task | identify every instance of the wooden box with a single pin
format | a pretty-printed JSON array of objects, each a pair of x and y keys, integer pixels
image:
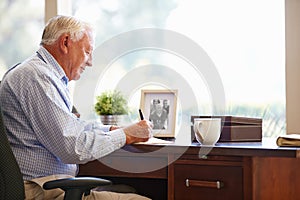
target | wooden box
[{"x": 236, "y": 129}]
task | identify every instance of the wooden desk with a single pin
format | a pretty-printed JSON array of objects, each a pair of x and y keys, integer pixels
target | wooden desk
[{"x": 258, "y": 170}]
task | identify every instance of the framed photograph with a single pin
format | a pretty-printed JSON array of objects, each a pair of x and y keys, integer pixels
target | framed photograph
[{"x": 159, "y": 107}]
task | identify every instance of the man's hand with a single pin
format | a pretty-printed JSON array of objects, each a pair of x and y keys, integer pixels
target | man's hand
[
  {"x": 113, "y": 128},
  {"x": 139, "y": 132}
]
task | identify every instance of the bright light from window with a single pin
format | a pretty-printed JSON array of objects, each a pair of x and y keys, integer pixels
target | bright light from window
[{"x": 244, "y": 38}]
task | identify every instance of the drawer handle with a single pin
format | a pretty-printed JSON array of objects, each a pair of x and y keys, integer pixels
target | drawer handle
[{"x": 209, "y": 184}]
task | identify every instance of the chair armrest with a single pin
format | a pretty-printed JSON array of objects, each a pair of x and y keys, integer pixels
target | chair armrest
[{"x": 77, "y": 186}]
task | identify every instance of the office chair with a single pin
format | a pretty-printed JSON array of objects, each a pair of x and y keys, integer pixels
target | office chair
[{"x": 11, "y": 180}]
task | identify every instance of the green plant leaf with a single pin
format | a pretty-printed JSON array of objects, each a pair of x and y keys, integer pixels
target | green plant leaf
[{"x": 111, "y": 103}]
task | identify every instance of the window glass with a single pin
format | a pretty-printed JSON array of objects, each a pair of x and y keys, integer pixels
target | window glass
[
  {"x": 20, "y": 32},
  {"x": 243, "y": 39}
]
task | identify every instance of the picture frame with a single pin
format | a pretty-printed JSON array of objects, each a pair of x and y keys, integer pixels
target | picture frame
[{"x": 160, "y": 107}]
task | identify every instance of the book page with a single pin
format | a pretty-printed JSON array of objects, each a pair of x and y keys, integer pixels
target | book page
[
  {"x": 154, "y": 140},
  {"x": 288, "y": 140}
]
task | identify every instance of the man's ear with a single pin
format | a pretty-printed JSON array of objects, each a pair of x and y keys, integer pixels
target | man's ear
[{"x": 64, "y": 43}]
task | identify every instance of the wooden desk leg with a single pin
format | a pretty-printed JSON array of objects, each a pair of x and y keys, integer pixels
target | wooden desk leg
[
  {"x": 171, "y": 179},
  {"x": 247, "y": 177}
]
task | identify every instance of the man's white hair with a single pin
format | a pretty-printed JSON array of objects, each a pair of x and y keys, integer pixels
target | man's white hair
[{"x": 59, "y": 25}]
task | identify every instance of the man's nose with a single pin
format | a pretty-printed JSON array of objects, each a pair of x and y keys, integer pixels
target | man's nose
[{"x": 89, "y": 62}]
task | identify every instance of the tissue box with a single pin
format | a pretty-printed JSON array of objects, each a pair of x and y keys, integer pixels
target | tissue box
[{"x": 236, "y": 129}]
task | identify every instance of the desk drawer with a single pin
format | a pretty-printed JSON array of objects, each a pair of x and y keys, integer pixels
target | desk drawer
[{"x": 200, "y": 181}]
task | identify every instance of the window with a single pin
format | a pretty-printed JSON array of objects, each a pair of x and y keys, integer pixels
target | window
[
  {"x": 245, "y": 40},
  {"x": 21, "y": 30}
]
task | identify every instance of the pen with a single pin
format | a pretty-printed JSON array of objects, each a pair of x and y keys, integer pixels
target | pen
[{"x": 141, "y": 114}]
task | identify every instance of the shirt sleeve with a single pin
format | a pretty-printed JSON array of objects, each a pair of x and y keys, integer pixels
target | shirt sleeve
[
  {"x": 63, "y": 134},
  {"x": 105, "y": 128}
]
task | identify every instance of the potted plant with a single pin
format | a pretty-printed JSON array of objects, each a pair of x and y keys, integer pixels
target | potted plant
[{"x": 110, "y": 105}]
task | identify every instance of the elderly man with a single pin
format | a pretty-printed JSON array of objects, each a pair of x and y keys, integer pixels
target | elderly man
[{"x": 48, "y": 140}]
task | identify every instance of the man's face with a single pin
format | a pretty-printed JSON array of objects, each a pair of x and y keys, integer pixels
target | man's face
[
  {"x": 80, "y": 56},
  {"x": 159, "y": 108},
  {"x": 155, "y": 102},
  {"x": 165, "y": 103}
]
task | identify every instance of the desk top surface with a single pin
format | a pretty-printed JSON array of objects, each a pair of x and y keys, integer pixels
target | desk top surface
[{"x": 267, "y": 147}]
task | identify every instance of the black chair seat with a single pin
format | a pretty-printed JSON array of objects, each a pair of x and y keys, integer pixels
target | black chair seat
[{"x": 75, "y": 187}]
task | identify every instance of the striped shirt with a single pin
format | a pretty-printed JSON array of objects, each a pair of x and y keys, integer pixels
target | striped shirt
[{"x": 45, "y": 136}]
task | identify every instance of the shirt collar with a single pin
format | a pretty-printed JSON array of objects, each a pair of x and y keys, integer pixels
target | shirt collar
[{"x": 44, "y": 55}]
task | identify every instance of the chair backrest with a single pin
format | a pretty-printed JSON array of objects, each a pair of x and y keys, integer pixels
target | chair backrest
[{"x": 11, "y": 180}]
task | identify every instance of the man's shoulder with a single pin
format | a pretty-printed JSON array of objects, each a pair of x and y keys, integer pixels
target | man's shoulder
[{"x": 28, "y": 70}]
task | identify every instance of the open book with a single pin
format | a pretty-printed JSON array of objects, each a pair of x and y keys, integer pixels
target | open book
[{"x": 288, "y": 140}]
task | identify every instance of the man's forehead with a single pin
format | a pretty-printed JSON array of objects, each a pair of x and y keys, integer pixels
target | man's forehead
[{"x": 90, "y": 40}]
